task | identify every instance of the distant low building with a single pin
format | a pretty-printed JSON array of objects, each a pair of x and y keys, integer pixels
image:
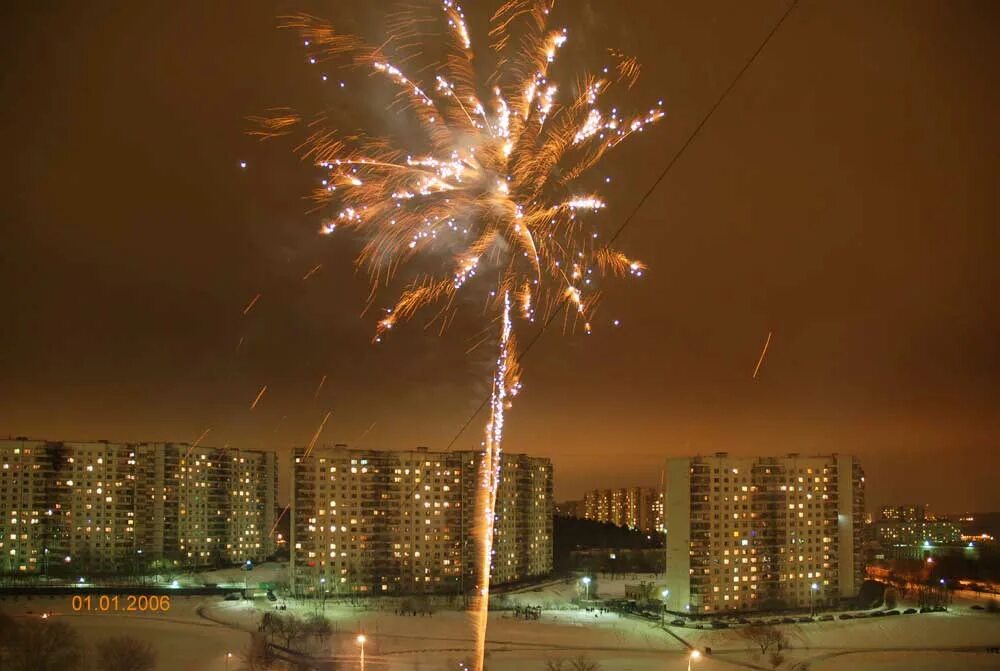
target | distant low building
[
  {"x": 639, "y": 508},
  {"x": 571, "y": 509},
  {"x": 912, "y": 512},
  {"x": 908, "y": 532}
]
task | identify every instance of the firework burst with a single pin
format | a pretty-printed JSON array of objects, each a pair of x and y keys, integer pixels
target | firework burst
[{"x": 493, "y": 188}]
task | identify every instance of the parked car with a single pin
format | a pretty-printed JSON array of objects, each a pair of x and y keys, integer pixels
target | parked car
[
  {"x": 909, "y": 611},
  {"x": 774, "y": 621},
  {"x": 976, "y": 606},
  {"x": 892, "y": 612},
  {"x": 271, "y": 596},
  {"x": 940, "y": 609},
  {"x": 805, "y": 619},
  {"x": 926, "y": 609},
  {"x": 878, "y": 613},
  {"x": 719, "y": 624},
  {"x": 846, "y": 616},
  {"x": 743, "y": 620},
  {"x": 677, "y": 623},
  {"x": 232, "y": 596},
  {"x": 826, "y": 618},
  {"x": 788, "y": 620}
]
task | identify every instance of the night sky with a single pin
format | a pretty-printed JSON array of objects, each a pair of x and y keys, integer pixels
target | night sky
[{"x": 845, "y": 196}]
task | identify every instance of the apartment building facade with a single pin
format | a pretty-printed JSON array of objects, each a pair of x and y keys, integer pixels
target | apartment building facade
[
  {"x": 750, "y": 533},
  {"x": 639, "y": 508},
  {"x": 109, "y": 507},
  {"x": 379, "y": 522}
]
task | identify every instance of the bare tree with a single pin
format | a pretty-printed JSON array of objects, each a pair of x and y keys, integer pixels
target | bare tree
[
  {"x": 125, "y": 653},
  {"x": 41, "y": 645},
  {"x": 258, "y": 656},
  {"x": 318, "y": 627},
  {"x": 764, "y": 637},
  {"x": 581, "y": 663}
]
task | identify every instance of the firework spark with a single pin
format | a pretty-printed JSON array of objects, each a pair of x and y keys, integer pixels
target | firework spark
[
  {"x": 252, "y": 303},
  {"x": 319, "y": 387},
  {"x": 498, "y": 185},
  {"x": 312, "y": 443},
  {"x": 313, "y": 271},
  {"x": 260, "y": 394},
  {"x": 763, "y": 352}
]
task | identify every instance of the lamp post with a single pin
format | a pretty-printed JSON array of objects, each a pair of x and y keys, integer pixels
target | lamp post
[
  {"x": 586, "y": 585},
  {"x": 361, "y": 641},
  {"x": 229, "y": 656},
  {"x": 322, "y": 587},
  {"x": 693, "y": 657},
  {"x": 663, "y": 606},
  {"x": 812, "y": 595}
]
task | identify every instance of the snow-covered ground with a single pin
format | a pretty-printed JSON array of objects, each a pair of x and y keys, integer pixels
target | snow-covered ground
[
  {"x": 271, "y": 572},
  {"x": 197, "y": 632}
]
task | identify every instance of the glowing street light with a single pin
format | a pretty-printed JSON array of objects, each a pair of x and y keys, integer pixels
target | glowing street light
[
  {"x": 586, "y": 583},
  {"x": 693, "y": 657},
  {"x": 812, "y": 594},
  {"x": 361, "y": 641},
  {"x": 229, "y": 656}
]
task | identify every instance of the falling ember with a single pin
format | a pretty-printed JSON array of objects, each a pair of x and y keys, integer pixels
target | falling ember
[
  {"x": 278, "y": 520},
  {"x": 250, "y": 305},
  {"x": 259, "y": 395},
  {"x": 196, "y": 443},
  {"x": 366, "y": 432},
  {"x": 312, "y": 443},
  {"x": 313, "y": 270},
  {"x": 320, "y": 387},
  {"x": 500, "y": 190},
  {"x": 762, "y": 353},
  {"x": 240, "y": 343}
]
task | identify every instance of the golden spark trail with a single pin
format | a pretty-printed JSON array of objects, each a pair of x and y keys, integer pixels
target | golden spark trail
[
  {"x": 250, "y": 305},
  {"x": 312, "y": 443},
  {"x": 259, "y": 394},
  {"x": 762, "y": 353},
  {"x": 489, "y": 477},
  {"x": 320, "y": 387},
  {"x": 312, "y": 272},
  {"x": 195, "y": 444},
  {"x": 366, "y": 432},
  {"x": 278, "y": 521}
]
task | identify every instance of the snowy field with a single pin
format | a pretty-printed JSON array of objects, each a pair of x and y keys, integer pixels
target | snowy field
[{"x": 197, "y": 633}]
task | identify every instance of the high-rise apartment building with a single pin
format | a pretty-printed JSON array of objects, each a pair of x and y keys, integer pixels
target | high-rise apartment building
[
  {"x": 380, "y": 522},
  {"x": 639, "y": 508},
  {"x": 113, "y": 507},
  {"x": 763, "y": 532}
]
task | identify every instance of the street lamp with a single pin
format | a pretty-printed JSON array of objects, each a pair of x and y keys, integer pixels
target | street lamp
[
  {"x": 361, "y": 641},
  {"x": 229, "y": 656},
  {"x": 663, "y": 606},
  {"x": 693, "y": 657},
  {"x": 586, "y": 584},
  {"x": 322, "y": 586},
  {"x": 812, "y": 594}
]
